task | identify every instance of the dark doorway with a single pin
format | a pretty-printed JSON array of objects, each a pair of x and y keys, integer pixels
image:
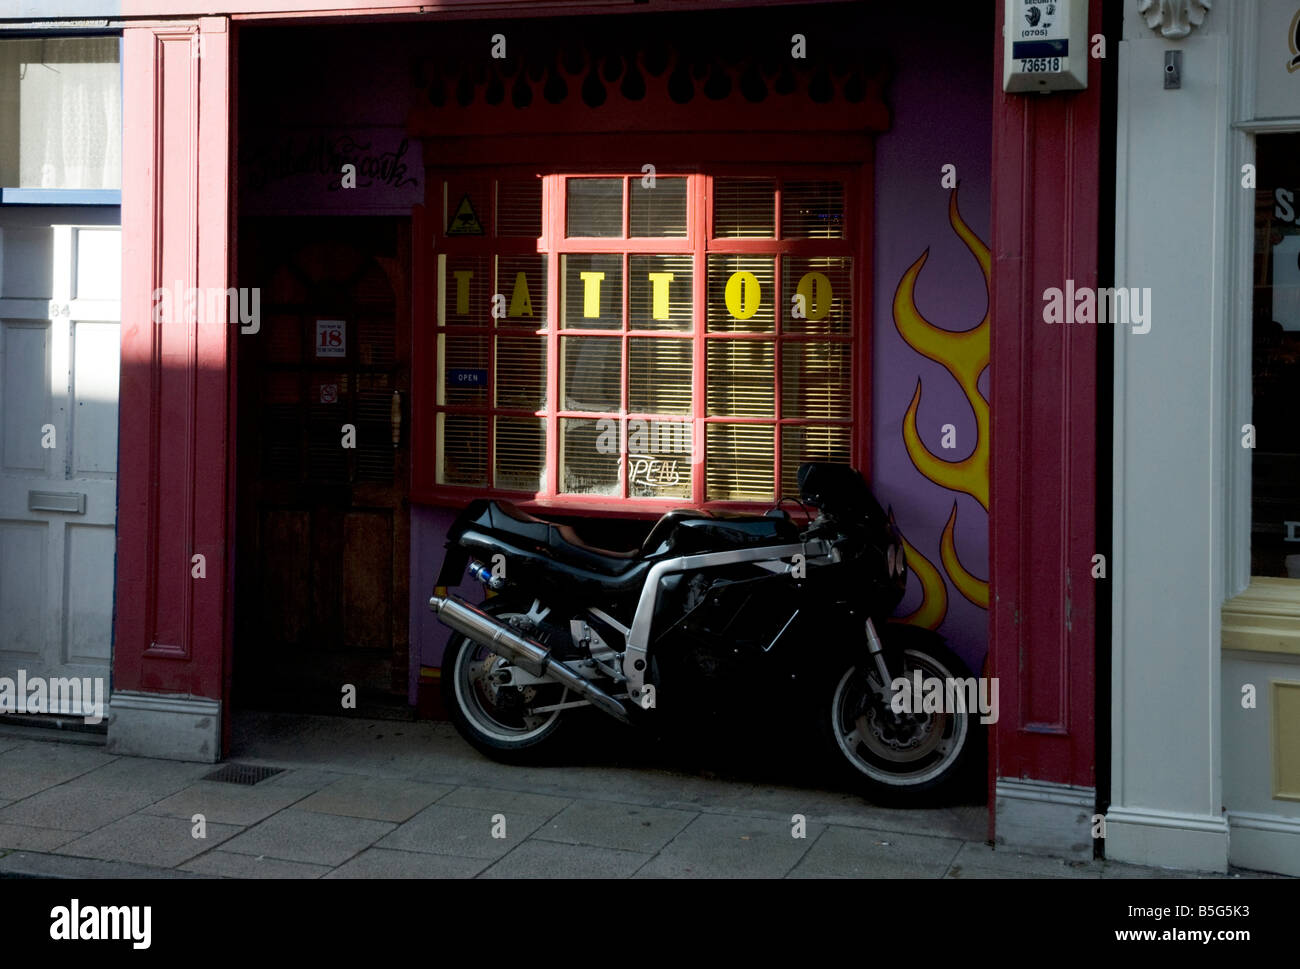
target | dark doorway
[{"x": 323, "y": 527}]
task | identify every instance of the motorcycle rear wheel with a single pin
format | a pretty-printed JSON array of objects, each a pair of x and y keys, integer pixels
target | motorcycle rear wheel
[{"x": 497, "y": 720}]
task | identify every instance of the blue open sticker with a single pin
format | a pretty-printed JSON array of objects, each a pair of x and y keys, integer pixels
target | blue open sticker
[{"x": 466, "y": 378}]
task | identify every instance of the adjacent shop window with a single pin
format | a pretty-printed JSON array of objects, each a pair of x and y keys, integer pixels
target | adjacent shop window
[
  {"x": 601, "y": 338},
  {"x": 61, "y": 113},
  {"x": 1275, "y": 460}
]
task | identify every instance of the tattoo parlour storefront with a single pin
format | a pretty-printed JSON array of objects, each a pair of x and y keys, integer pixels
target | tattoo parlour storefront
[{"x": 602, "y": 261}]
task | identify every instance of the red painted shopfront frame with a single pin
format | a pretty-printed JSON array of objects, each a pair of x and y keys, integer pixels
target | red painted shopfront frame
[
  {"x": 850, "y": 160},
  {"x": 1047, "y": 221}
]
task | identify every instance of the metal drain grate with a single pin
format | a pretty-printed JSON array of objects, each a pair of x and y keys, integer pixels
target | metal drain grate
[{"x": 242, "y": 774}]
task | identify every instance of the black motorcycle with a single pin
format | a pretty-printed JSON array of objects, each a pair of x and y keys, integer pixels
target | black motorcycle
[{"x": 713, "y": 612}]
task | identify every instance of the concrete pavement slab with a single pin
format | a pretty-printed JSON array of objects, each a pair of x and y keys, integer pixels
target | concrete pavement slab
[
  {"x": 157, "y": 777},
  {"x": 863, "y": 853},
  {"x": 222, "y": 803},
  {"x": 27, "y": 838},
  {"x": 74, "y": 806},
  {"x": 378, "y": 798},
  {"x": 440, "y": 829},
  {"x": 148, "y": 839},
  {"x": 305, "y": 779},
  {"x": 610, "y": 824},
  {"x": 596, "y": 815},
  {"x": 318, "y": 839},
  {"x": 387, "y": 863},
  {"x": 227, "y": 864},
  {"x": 497, "y": 800},
  {"x": 833, "y": 807},
  {"x": 723, "y": 846},
  {"x": 977, "y": 860},
  {"x": 549, "y": 859},
  {"x": 348, "y": 745},
  {"x": 1115, "y": 869},
  {"x": 31, "y": 864},
  {"x": 33, "y": 767}
]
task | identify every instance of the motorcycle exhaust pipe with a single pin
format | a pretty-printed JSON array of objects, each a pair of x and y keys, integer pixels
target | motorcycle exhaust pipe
[{"x": 528, "y": 655}]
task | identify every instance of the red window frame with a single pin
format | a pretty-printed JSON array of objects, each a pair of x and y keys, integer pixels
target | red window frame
[{"x": 700, "y": 243}]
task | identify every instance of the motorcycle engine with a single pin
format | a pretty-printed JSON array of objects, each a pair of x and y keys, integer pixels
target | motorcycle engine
[{"x": 697, "y": 590}]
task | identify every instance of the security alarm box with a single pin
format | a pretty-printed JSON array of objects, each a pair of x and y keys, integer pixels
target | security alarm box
[{"x": 1045, "y": 45}]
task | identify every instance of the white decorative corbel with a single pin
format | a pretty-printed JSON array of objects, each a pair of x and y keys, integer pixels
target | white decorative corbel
[{"x": 1174, "y": 18}]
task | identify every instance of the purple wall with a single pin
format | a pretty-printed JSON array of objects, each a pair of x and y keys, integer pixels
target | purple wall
[{"x": 940, "y": 118}]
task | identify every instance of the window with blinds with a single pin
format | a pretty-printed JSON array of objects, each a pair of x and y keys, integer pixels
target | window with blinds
[{"x": 686, "y": 338}]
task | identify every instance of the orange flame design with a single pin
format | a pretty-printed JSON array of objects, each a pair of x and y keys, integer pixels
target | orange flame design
[
  {"x": 965, "y": 355},
  {"x": 934, "y": 594}
]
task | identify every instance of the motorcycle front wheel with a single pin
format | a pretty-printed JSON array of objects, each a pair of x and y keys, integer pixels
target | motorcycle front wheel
[
  {"x": 512, "y": 724},
  {"x": 918, "y": 755}
]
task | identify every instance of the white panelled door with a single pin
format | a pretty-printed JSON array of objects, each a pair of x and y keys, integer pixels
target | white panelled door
[{"x": 60, "y": 290}]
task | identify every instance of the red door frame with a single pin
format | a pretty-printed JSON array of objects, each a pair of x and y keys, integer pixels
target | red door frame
[
  {"x": 174, "y": 497},
  {"x": 1043, "y": 474}
]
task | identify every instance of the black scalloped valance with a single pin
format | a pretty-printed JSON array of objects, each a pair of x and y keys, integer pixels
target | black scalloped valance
[{"x": 716, "y": 70}]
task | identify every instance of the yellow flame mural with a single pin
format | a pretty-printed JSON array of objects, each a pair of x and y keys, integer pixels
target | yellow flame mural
[{"x": 965, "y": 355}]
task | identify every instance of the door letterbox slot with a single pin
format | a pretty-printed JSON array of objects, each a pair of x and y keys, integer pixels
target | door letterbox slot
[{"x": 67, "y": 501}]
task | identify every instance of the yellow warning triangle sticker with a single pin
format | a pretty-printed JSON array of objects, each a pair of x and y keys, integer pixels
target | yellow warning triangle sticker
[{"x": 465, "y": 222}]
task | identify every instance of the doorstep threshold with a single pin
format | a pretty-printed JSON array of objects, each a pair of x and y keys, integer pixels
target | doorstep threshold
[{"x": 56, "y": 727}]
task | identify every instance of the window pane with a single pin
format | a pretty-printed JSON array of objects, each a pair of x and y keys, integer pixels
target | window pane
[
  {"x": 744, "y": 207},
  {"x": 463, "y": 283},
  {"x": 61, "y": 113},
  {"x": 519, "y": 207},
  {"x": 742, "y": 378},
  {"x": 591, "y": 292},
  {"x": 1275, "y": 460},
  {"x": 662, "y": 294},
  {"x": 595, "y": 207},
  {"x": 659, "y": 376},
  {"x": 464, "y": 376},
  {"x": 742, "y": 294},
  {"x": 660, "y": 211},
  {"x": 467, "y": 203},
  {"x": 739, "y": 461},
  {"x": 462, "y": 449},
  {"x": 522, "y": 281},
  {"x": 826, "y": 285},
  {"x": 815, "y": 380},
  {"x": 521, "y": 364},
  {"x": 589, "y": 456},
  {"x": 520, "y": 455},
  {"x": 659, "y": 459},
  {"x": 812, "y": 210},
  {"x": 811, "y": 443},
  {"x": 591, "y": 373}
]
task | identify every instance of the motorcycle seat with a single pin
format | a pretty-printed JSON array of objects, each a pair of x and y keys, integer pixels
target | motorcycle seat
[
  {"x": 663, "y": 528},
  {"x": 562, "y": 540}
]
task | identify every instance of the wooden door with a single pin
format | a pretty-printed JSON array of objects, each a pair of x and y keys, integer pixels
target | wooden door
[
  {"x": 324, "y": 416},
  {"x": 60, "y": 287}
]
